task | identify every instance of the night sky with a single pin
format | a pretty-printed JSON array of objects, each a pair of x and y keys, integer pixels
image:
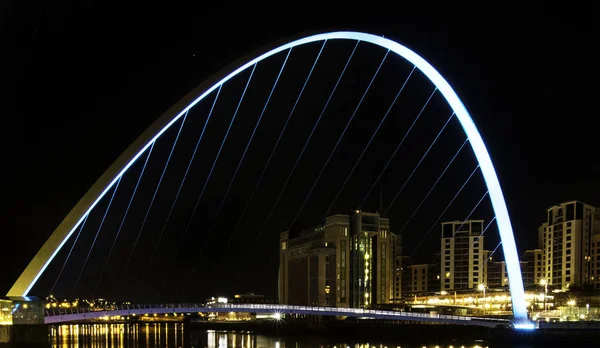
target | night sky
[{"x": 81, "y": 83}]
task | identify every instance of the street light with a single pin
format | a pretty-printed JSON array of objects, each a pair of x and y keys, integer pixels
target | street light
[
  {"x": 481, "y": 287},
  {"x": 544, "y": 283}
]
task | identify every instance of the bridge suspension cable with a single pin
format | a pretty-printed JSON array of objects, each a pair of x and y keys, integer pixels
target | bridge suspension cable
[
  {"x": 287, "y": 180},
  {"x": 396, "y": 150},
  {"x": 471, "y": 213},
  {"x": 328, "y": 158},
  {"x": 147, "y": 268},
  {"x": 391, "y": 157},
  {"x": 492, "y": 253},
  {"x": 479, "y": 237},
  {"x": 69, "y": 254},
  {"x": 190, "y": 162},
  {"x": 433, "y": 187},
  {"x": 444, "y": 211},
  {"x": 208, "y": 117},
  {"x": 246, "y": 149},
  {"x": 137, "y": 184},
  {"x": 187, "y": 227},
  {"x": 359, "y": 158},
  {"x": 137, "y": 238},
  {"x": 418, "y": 164},
  {"x": 197, "y": 259},
  {"x": 97, "y": 232},
  {"x": 264, "y": 170}
]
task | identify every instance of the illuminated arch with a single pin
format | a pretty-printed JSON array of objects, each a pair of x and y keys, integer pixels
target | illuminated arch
[{"x": 52, "y": 246}]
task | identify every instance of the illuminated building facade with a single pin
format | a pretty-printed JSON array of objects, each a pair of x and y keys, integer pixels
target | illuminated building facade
[
  {"x": 21, "y": 311},
  {"x": 420, "y": 278},
  {"x": 348, "y": 262},
  {"x": 497, "y": 275},
  {"x": 569, "y": 240},
  {"x": 532, "y": 267},
  {"x": 396, "y": 244},
  {"x": 595, "y": 257},
  {"x": 462, "y": 258}
]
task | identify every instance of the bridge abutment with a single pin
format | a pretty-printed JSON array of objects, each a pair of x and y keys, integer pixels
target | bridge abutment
[{"x": 22, "y": 322}]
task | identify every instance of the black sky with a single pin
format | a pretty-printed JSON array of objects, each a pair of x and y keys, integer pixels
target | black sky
[{"x": 81, "y": 82}]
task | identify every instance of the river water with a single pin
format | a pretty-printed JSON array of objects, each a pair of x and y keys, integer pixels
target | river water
[{"x": 174, "y": 335}]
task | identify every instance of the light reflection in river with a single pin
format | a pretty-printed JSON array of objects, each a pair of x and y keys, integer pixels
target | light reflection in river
[{"x": 172, "y": 335}]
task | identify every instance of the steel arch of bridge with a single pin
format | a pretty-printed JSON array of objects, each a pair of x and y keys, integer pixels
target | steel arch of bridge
[{"x": 68, "y": 226}]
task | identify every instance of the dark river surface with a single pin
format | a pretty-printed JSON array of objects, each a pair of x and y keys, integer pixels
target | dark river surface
[
  {"x": 174, "y": 335},
  {"x": 179, "y": 335}
]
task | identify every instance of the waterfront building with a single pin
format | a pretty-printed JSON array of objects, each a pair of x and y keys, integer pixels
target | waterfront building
[
  {"x": 532, "y": 267},
  {"x": 463, "y": 258},
  {"x": 420, "y": 278},
  {"x": 350, "y": 261},
  {"x": 570, "y": 242}
]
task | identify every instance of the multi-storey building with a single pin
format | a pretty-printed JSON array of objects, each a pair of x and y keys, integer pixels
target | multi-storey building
[
  {"x": 569, "y": 258},
  {"x": 421, "y": 278},
  {"x": 348, "y": 262},
  {"x": 595, "y": 257},
  {"x": 396, "y": 243},
  {"x": 532, "y": 267},
  {"x": 497, "y": 276},
  {"x": 462, "y": 258}
]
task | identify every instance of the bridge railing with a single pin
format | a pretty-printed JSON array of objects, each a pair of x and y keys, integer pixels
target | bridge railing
[{"x": 197, "y": 307}]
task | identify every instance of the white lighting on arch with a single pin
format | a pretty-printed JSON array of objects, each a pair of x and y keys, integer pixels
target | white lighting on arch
[{"x": 62, "y": 234}]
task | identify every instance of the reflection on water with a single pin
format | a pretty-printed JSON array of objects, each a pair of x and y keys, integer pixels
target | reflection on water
[
  {"x": 153, "y": 335},
  {"x": 118, "y": 335}
]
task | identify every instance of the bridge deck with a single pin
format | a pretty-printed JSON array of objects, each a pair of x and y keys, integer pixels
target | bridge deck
[{"x": 70, "y": 315}]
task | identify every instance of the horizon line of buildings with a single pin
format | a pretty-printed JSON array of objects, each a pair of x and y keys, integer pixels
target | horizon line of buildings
[{"x": 355, "y": 260}]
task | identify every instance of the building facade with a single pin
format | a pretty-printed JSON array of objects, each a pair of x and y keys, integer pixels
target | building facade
[
  {"x": 462, "y": 258},
  {"x": 497, "y": 275},
  {"x": 532, "y": 267},
  {"x": 569, "y": 243},
  {"x": 396, "y": 243},
  {"x": 348, "y": 262},
  {"x": 420, "y": 278}
]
